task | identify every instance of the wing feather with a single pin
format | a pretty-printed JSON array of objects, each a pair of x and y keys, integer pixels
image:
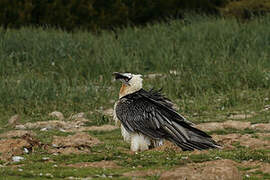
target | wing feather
[{"x": 153, "y": 116}]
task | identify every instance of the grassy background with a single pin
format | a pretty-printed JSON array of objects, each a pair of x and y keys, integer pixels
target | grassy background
[
  {"x": 222, "y": 67},
  {"x": 220, "y": 64}
]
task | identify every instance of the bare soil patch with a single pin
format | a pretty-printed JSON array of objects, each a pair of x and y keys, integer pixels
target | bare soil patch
[
  {"x": 243, "y": 139},
  {"x": 16, "y": 133},
  {"x": 54, "y": 124},
  {"x": 261, "y": 126},
  {"x": 167, "y": 146},
  {"x": 100, "y": 164},
  {"x": 212, "y": 170},
  {"x": 240, "y": 116},
  {"x": 150, "y": 172},
  {"x": 106, "y": 127},
  {"x": 78, "y": 143},
  {"x": 256, "y": 166},
  {"x": 14, "y": 147},
  {"x": 75, "y": 125},
  {"x": 212, "y": 126}
]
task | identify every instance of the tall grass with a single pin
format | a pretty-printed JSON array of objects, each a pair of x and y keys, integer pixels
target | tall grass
[{"x": 47, "y": 69}]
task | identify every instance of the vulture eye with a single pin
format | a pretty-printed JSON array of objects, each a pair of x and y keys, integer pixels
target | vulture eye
[{"x": 127, "y": 79}]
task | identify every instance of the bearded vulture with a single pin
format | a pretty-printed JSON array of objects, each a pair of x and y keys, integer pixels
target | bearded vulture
[{"x": 147, "y": 118}]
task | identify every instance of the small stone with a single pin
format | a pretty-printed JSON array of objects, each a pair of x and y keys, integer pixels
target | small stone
[
  {"x": 62, "y": 130},
  {"x": 20, "y": 126},
  {"x": 54, "y": 145},
  {"x": 44, "y": 129},
  {"x": 49, "y": 175},
  {"x": 108, "y": 112},
  {"x": 17, "y": 158},
  {"x": 25, "y": 150},
  {"x": 153, "y": 76},
  {"x": 45, "y": 158},
  {"x": 57, "y": 114},
  {"x": 79, "y": 115},
  {"x": 14, "y": 120},
  {"x": 174, "y": 72}
]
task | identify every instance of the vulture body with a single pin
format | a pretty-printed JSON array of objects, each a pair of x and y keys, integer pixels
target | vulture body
[{"x": 147, "y": 118}]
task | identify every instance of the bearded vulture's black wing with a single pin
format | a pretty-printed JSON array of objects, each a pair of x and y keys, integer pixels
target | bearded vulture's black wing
[{"x": 151, "y": 114}]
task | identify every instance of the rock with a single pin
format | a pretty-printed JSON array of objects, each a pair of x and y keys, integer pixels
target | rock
[
  {"x": 49, "y": 175},
  {"x": 266, "y": 107},
  {"x": 25, "y": 150},
  {"x": 14, "y": 120},
  {"x": 20, "y": 126},
  {"x": 45, "y": 158},
  {"x": 58, "y": 115},
  {"x": 99, "y": 164},
  {"x": 212, "y": 170},
  {"x": 44, "y": 129},
  {"x": 16, "y": 133},
  {"x": 174, "y": 72},
  {"x": 17, "y": 158}
]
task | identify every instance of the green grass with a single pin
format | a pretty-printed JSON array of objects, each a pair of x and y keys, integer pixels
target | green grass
[
  {"x": 222, "y": 68},
  {"x": 42, "y": 70}
]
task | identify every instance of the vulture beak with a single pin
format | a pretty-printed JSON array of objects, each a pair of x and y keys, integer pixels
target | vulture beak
[{"x": 123, "y": 77}]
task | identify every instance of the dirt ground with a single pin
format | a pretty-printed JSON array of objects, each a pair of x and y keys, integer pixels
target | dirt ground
[{"x": 22, "y": 140}]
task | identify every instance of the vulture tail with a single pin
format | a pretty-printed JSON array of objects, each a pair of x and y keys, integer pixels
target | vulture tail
[{"x": 190, "y": 138}]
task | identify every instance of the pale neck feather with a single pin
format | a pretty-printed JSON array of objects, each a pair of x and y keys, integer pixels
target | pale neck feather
[{"x": 135, "y": 84}]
